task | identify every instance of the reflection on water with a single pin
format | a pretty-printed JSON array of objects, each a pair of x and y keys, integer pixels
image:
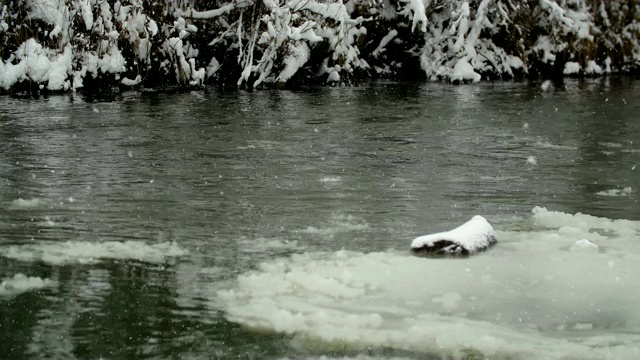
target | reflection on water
[{"x": 236, "y": 178}]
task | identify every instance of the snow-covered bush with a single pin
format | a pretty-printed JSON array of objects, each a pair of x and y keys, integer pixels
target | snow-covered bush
[
  {"x": 459, "y": 42},
  {"x": 270, "y": 41},
  {"x": 66, "y": 45},
  {"x": 76, "y": 41},
  {"x": 565, "y": 36},
  {"x": 35, "y": 55},
  {"x": 618, "y": 23}
]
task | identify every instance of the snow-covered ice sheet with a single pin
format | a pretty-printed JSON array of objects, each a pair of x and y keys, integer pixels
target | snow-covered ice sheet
[
  {"x": 358, "y": 357},
  {"x": 83, "y": 252},
  {"x": 615, "y": 192},
  {"x": 338, "y": 224},
  {"x": 22, "y": 204},
  {"x": 20, "y": 283},
  {"x": 556, "y": 286}
]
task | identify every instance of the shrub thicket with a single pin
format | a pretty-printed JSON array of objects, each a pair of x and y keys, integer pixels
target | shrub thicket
[{"x": 58, "y": 45}]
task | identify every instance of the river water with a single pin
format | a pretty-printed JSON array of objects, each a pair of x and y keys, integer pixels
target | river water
[{"x": 276, "y": 224}]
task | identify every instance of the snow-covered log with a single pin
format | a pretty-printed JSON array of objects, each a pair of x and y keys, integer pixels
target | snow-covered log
[{"x": 472, "y": 237}]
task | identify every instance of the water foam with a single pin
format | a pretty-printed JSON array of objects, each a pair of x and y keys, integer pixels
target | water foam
[
  {"x": 545, "y": 292},
  {"x": 83, "y": 252}
]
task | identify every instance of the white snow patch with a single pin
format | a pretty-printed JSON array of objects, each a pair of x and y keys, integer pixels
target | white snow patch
[
  {"x": 543, "y": 44},
  {"x": 333, "y": 77},
  {"x": 152, "y": 27},
  {"x": 83, "y": 252},
  {"x": 59, "y": 71},
  {"x": 129, "y": 82},
  {"x": 193, "y": 14},
  {"x": 112, "y": 61},
  {"x": 571, "y": 67},
  {"x": 39, "y": 65},
  {"x": 297, "y": 57},
  {"x": 144, "y": 49},
  {"x": 21, "y": 283},
  {"x": 415, "y": 9},
  {"x": 545, "y": 85},
  {"x": 556, "y": 12},
  {"x": 515, "y": 62},
  {"x": 334, "y": 74},
  {"x": 87, "y": 13},
  {"x": 607, "y": 65},
  {"x": 385, "y": 40},
  {"x": 463, "y": 71},
  {"x": 584, "y": 245},
  {"x": 213, "y": 66},
  {"x": 593, "y": 68}
]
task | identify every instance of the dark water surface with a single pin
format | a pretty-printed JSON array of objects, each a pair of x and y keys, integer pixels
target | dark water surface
[{"x": 215, "y": 183}]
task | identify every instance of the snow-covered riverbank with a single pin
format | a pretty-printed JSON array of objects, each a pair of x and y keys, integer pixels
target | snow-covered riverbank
[{"x": 67, "y": 45}]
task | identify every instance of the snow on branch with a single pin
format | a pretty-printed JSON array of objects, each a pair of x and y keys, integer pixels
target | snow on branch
[
  {"x": 416, "y": 10},
  {"x": 336, "y": 10},
  {"x": 556, "y": 12},
  {"x": 209, "y": 14},
  {"x": 385, "y": 40}
]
